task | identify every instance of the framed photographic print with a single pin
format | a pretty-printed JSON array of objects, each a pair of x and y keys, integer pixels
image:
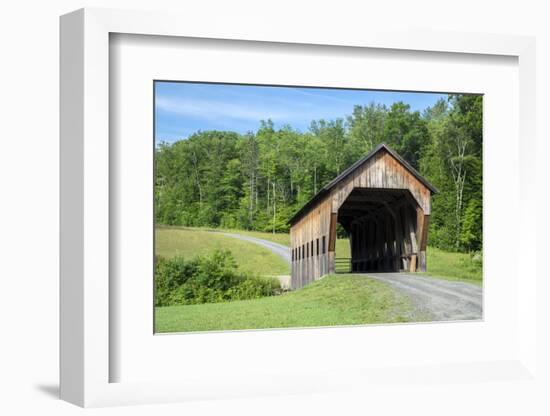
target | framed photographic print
[{"x": 269, "y": 214}]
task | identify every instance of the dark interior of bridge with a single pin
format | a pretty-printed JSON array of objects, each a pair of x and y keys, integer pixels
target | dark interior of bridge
[{"x": 381, "y": 225}]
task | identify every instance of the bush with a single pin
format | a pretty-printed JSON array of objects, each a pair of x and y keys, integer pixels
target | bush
[
  {"x": 171, "y": 274},
  {"x": 253, "y": 288},
  {"x": 473, "y": 264},
  {"x": 229, "y": 221},
  {"x": 218, "y": 271},
  {"x": 477, "y": 257},
  {"x": 207, "y": 279}
]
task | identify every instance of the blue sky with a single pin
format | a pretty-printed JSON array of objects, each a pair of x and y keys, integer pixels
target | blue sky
[{"x": 183, "y": 108}]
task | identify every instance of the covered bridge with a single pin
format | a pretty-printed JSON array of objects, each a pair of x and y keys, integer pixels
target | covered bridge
[{"x": 382, "y": 202}]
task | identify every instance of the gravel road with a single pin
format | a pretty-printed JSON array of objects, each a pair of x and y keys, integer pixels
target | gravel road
[{"x": 441, "y": 300}]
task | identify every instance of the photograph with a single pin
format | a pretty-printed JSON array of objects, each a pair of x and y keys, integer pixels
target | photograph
[{"x": 299, "y": 206}]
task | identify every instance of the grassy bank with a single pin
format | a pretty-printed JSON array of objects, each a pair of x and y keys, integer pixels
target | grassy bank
[
  {"x": 333, "y": 300},
  {"x": 190, "y": 243}
]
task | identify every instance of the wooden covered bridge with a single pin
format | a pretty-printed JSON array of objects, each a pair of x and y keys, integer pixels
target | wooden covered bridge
[{"x": 382, "y": 202}]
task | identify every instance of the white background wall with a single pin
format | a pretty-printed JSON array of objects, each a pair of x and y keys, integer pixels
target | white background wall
[{"x": 29, "y": 57}]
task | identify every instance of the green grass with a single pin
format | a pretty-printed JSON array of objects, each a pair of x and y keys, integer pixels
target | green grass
[
  {"x": 281, "y": 238},
  {"x": 189, "y": 243},
  {"x": 453, "y": 266},
  {"x": 333, "y": 300},
  {"x": 343, "y": 248}
]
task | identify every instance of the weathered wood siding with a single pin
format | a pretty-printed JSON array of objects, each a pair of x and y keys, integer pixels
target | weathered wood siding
[
  {"x": 312, "y": 229},
  {"x": 382, "y": 171}
]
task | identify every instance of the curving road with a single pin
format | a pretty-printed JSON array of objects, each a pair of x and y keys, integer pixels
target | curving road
[
  {"x": 278, "y": 249},
  {"x": 435, "y": 299}
]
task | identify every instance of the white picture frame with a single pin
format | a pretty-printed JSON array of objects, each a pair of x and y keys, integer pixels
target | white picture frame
[{"x": 86, "y": 355}]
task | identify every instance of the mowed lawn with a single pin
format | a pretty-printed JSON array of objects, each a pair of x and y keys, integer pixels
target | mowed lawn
[
  {"x": 189, "y": 243},
  {"x": 333, "y": 300}
]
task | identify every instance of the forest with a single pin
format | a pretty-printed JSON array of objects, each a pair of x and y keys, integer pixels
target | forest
[{"x": 257, "y": 181}]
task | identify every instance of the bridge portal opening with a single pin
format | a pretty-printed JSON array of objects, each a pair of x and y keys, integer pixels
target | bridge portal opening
[{"x": 382, "y": 226}]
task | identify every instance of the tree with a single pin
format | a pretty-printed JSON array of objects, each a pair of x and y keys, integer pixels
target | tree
[
  {"x": 472, "y": 226},
  {"x": 406, "y": 132},
  {"x": 462, "y": 146},
  {"x": 332, "y": 135},
  {"x": 250, "y": 162},
  {"x": 366, "y": 128},
  {"x": 452, "y": 161}
]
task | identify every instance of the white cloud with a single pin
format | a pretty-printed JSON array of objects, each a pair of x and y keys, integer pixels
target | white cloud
[{"x": 214, "y": 110}]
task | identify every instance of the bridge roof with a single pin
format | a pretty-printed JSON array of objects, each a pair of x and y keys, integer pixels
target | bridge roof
[{"x": 329, "y": 186}]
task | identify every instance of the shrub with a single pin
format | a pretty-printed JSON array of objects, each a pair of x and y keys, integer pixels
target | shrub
[
  {"x": 229, "y": 221},
  {"x": 472, "y": 265},
  {"x": 476, "y": 261},
  {"x": 477, "y": 257},
  {"x": 207, "y": 279},
  {"x": 255, "y": 287},
  {"x": 171, "y": 274},
  {"x": 218, "y": 271}
]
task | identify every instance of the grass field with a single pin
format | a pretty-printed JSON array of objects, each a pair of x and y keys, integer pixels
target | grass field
[
  {"x": 189, "y": 243},
  {"x": 333, "y": 300},
  {"x": 280, "y": 238},
  {"x": 453, "y": 266}
]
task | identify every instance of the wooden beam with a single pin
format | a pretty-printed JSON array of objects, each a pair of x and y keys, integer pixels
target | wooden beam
[
  {"x": 411, "y": 232},
  {"x": 422, "y": 233},
  {"x": 413, "y": 263},
  {"x": 332, "y": 242}
]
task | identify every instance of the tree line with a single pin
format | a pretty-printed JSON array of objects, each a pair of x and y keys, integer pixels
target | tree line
[{"x": 258, "y": 180}]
